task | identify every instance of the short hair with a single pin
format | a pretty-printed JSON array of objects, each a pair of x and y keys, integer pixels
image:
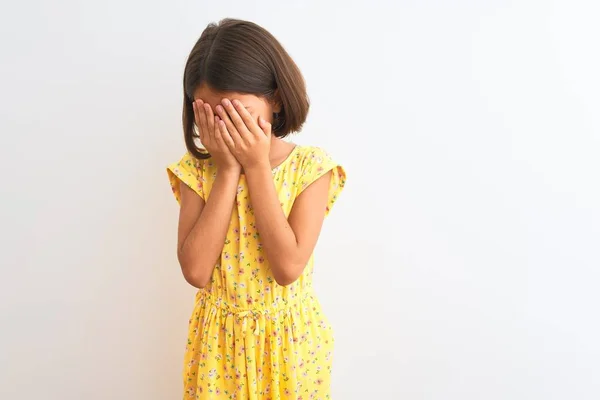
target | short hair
[{"x": 241, "y": 56}]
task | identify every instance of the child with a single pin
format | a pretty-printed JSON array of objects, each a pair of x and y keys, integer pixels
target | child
[{"x": 252, "y": 208}]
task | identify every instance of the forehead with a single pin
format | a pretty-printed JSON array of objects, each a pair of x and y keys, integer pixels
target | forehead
[{"x": 213, "y": 97}]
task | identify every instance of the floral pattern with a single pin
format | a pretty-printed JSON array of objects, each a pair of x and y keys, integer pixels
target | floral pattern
[{"x": 248, "y": 337}]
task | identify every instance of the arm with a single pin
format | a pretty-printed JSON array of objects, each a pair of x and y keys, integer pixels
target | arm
[
  {"x": 288, "y": 243},
  {"x": 203, "y": 228}
]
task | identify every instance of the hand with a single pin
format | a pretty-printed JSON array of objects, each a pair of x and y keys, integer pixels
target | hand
[
  {"x": 211, "y": 138},
  {"x": 249, "y": 141}
]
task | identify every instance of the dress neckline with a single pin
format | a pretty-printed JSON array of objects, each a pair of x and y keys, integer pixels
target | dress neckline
[
  {"x": 286, "y": 160},
  {"x": 282, "y": 164}
]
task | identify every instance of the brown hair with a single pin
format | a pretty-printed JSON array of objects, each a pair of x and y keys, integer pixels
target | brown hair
[{"x": 240, "y": 56}]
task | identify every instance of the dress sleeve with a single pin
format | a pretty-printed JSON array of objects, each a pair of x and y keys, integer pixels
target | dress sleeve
[
  {"x": 317, "y": 163},
  {"x": 188, "y": 170}
]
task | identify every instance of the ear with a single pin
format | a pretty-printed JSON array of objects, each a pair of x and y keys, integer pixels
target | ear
[{"x": 276, "y": 102}]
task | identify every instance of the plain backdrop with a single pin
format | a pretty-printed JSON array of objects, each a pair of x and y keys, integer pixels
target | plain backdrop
[{"x": 461, "y": 262}]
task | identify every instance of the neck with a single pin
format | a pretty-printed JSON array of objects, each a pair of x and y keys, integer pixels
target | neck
[{"x": 280, "y": 150}]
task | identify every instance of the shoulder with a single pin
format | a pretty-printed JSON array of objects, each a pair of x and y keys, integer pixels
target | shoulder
[
  {"x": 312, "y": 151},
  {"x": 313, "y": 157},
  {"x": 311, "y": 164},
  {"x": 188, "y": 164},
  {"x": 194, "y": 173},
  {"x": 314, "y": 162}
]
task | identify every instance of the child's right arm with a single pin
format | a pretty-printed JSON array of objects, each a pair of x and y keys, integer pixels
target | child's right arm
[{"x": 203, "y": 227}]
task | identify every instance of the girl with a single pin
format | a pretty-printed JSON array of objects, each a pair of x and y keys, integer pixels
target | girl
[{"x": 251, "y": 209}]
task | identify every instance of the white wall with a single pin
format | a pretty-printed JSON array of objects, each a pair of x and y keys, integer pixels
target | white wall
[{"x": 460, "y": 263}]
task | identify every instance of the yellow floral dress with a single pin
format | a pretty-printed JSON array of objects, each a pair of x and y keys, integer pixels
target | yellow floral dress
[{"x": 250, "y": 338}]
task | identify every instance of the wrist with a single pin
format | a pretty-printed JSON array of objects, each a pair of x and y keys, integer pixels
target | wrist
[
  {"x": 230, "y": 172},
  {"x": 259, "y": 166}
]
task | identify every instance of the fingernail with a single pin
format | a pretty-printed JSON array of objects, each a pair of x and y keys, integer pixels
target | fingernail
[
  {"x": 226, "y": 102},
  {"x": 236, "y": 103},
  {"x": 219, "y": 109}
]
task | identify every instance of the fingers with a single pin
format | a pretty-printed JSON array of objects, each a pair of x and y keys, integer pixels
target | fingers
[
  {"x": 265, "y": 126},
  {"x": 219, "y": 140},
  {"x": 236, "y": 118},
  {"x": 229, "y": 125},
  {"x": 221, "y": 130},
  {"x": 210, "y": 120},
  {"x": 245, "y": 116},
  {"x": 198, "y": 116}
]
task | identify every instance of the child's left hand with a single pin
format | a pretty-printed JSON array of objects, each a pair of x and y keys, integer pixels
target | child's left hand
[{"x": 248, "y": 140}]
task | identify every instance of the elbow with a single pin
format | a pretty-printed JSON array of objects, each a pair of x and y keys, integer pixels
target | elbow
[
  {"x": 197, "y": 280},
  {"x": 193, "y": 273},
  {"x": 285, "y": 281},
  {"x": 286, "y": 274}
]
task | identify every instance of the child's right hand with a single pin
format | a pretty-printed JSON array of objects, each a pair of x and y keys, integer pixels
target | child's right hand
[{"x": 211, "y": 139}]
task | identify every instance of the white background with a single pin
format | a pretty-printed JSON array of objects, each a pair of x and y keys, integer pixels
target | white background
[{"x": 461, "y": 262}]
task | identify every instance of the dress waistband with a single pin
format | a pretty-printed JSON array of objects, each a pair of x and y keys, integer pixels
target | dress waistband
[
  {"x": 277, "y": 306},
  {"x": 233, "y": 312}
]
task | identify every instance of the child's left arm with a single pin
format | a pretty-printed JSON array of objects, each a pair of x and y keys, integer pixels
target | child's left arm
[{"x": 288, "y": 243}]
